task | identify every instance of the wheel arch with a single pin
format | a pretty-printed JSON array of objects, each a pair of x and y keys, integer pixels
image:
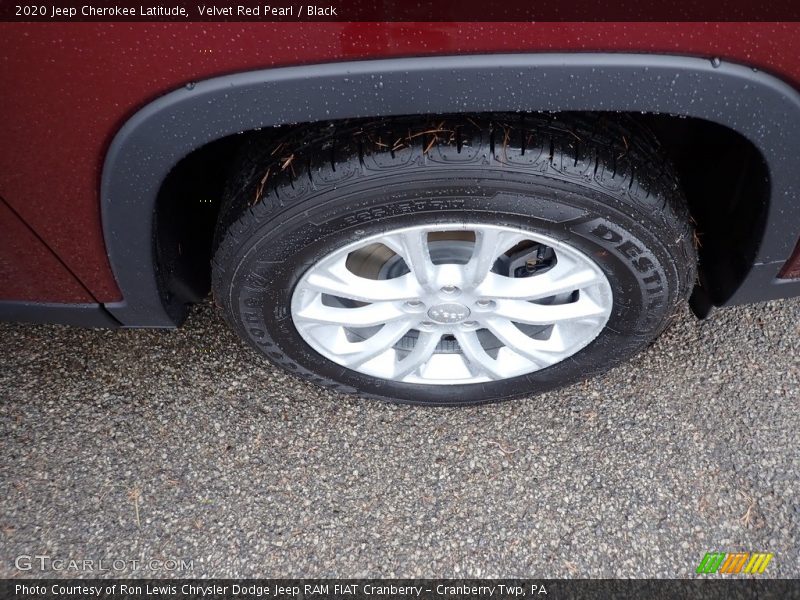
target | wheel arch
[{"x": 202, "y": 117}]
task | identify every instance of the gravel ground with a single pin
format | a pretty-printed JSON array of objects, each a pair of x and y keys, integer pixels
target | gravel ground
[{"x": 139, "y": 445}]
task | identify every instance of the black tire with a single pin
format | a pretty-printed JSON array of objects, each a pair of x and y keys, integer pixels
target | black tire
[{"x": 599, "y": 183}]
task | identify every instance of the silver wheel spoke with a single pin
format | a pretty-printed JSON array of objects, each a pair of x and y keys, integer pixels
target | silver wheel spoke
[
  {"x": 357, "y": 353},
  {"x": 539, "y": 351},
  {"x": 335, "y": 279},
  {"x": 413, "y": 247},
  {"x": 521, "y": 311},
  {"x": 489, "y": 245},
  {"x": 558, "y": 280},
  {"x": 422, "y": 352},
  {"x": 479, "y": 360},
  {"x": 362, "y": 316},
  {"x": 369, "y": 315}
]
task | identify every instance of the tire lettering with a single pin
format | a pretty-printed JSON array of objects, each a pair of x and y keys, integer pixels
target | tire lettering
[
  {"x": 410, "y": 206},
  {"x": 642, "y": 264},
  {"x": 253, "y": 302},
  {"x": 604, "y": 233},
  {"x": 629, "y": 249}
]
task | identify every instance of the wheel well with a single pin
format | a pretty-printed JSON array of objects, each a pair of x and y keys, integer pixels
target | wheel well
[
  {"x": 724, "y": 177},
  {"x": 727, "y": 187}
]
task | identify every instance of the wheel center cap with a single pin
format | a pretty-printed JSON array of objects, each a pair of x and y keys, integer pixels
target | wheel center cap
[{"x": 449, "y": 312}]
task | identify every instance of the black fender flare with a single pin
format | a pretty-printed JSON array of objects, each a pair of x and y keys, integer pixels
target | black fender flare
[{"x": 759, "y": 106}]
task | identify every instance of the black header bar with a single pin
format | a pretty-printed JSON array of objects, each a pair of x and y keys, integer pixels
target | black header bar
[{"x": 395, "y": 10}]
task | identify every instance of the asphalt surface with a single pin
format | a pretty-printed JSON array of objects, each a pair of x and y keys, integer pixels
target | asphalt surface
[{"x": 185, "y": 445}]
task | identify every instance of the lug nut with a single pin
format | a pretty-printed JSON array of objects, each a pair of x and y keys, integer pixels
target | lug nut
[
  {"x": 449, "y": 289},
  {"x": 413, "y": 303},
  {"x": 470, "y": 323},
  {"x": 427, "y": 324},
  {"x": 483, "y": 303}
]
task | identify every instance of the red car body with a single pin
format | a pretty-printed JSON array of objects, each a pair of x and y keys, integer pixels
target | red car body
[{"x": 69, "y": 88}]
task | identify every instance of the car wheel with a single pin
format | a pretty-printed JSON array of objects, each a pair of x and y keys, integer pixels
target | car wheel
[{"x": 455, "y": 261}]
